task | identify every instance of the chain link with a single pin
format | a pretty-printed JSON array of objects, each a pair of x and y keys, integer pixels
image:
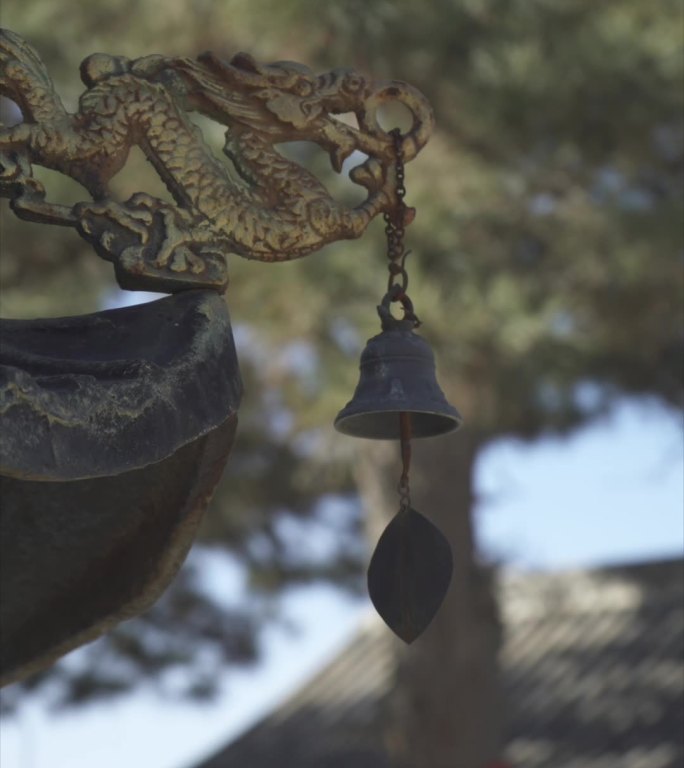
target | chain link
[
  {"x": 404, "y": 493},
  {"x": 405, "y": 439}
]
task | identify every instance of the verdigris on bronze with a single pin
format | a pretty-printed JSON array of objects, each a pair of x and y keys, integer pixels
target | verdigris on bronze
[{"x": 275, "y": 211}]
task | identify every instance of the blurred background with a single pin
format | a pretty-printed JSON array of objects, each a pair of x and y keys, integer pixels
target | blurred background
[{"x": 546, "y": 267}]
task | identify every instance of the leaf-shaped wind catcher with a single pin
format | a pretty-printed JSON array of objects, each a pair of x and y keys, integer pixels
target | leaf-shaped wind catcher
[{"x": 409, "y": 573}]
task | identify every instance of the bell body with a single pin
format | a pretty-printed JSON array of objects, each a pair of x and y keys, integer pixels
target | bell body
[{"x": 397, "y": 376}]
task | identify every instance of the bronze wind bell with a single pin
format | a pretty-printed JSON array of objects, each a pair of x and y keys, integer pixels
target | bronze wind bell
[{"x": 398, "y": 398}]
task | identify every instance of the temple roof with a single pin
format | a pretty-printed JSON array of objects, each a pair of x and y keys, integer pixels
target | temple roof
[{"x": 592, "y": 663}]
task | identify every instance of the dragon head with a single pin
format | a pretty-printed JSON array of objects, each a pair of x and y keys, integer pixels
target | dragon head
[{"x": 288, "y": 102}]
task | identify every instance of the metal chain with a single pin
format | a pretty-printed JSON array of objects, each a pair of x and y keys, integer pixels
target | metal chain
[
  {"x": 405, "y": 434},
  {"x": 395, "y": 221}
]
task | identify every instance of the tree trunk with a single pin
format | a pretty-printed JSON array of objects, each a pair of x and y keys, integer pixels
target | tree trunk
[{"x": 446, "y": 709}]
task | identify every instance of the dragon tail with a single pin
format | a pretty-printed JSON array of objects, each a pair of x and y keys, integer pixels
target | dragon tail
[{"x": 25, "y": 80}]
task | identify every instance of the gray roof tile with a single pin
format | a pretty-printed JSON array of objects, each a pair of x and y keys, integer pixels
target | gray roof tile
[{"x": 594, "y": 662}]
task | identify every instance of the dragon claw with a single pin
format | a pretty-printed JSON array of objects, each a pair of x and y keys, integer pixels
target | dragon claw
[{"x": 338, "y": 155}]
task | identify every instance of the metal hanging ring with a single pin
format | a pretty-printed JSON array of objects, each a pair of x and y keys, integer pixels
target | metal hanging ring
[{"x": 389, "y": 322}]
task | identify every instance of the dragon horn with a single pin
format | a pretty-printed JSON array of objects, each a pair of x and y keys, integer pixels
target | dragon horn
[
  {"x": 25, "y": 80},
  {"x": 242, "y": 70}
]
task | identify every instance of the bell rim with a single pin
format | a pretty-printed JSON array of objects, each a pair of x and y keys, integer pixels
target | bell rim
[{"x": 452, "y": 421}]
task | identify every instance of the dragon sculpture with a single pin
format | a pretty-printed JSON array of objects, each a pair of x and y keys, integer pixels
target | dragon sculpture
[{"x": 274, "y": 211}]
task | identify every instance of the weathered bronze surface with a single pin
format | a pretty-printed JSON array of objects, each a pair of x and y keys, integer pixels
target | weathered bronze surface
[
  {"x": 116, "y": 427},
  {"x": 275, "y": 211},
  {"x": 397, "y": 376},
  {"x": 102, "y": 394}
]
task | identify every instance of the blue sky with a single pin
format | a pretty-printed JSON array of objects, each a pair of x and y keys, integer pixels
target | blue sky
[{"x": 613, "y": 492}]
